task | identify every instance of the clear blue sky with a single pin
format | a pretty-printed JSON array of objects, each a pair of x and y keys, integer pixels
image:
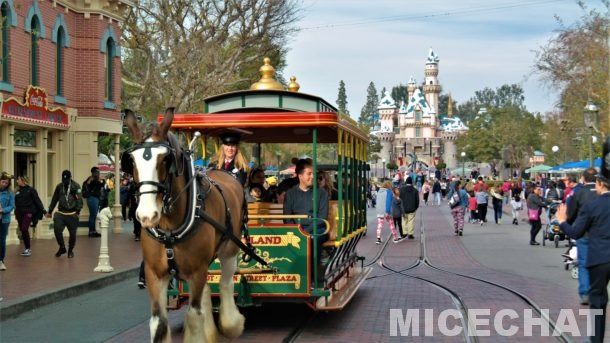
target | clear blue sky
[{"x": 480, "y": 44}]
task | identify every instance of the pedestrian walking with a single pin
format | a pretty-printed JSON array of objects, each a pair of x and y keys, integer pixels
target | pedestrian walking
[
  {"x": 7, "y": 205},
  {"x": 426, "y": 190},
  {"x": 497, "y": 198},
  {"x": 535, "y": 204},
  {"x": 27, "y": 206},
  {"x": 397, "y": 210},
  {"x": 410, "y": 203},
  {"x": 458, "y": 201},
  {"x": 472, "y": 207},
  {"x": 516, "y": 204},
  {"x": 68, "y": 197},
  {"x": 384, "y": 211},
  {"x": 436, "y": 192},
  {"x": 93, "y": 187},
  {"x": 594, "y": 219},
  {"x": 480, "y": 193},
  {"x": 581, "y": 195}
]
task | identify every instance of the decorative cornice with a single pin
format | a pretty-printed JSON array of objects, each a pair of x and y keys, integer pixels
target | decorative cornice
[{"x": 114, "y": 9}]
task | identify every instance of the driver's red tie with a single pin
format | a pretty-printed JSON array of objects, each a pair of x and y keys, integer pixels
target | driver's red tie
[{"x": 227, "y": 165}]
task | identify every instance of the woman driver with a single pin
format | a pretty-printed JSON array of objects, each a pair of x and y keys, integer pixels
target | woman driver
[{"x": 230, "y": 159}]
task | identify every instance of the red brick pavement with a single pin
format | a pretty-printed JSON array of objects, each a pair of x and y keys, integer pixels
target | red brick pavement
[{"x": 42, "y": 278}]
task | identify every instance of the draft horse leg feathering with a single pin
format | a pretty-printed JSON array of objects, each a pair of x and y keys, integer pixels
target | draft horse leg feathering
[{"x": 178, "y": 241}]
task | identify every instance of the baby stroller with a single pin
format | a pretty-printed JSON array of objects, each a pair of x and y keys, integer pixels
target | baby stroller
[
  {"x": 552, "y": 231},
  {"x": 570, "y": 261}
]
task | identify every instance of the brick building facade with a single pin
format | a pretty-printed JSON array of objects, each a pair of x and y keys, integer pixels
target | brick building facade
[{"x": 60, "y": 84}]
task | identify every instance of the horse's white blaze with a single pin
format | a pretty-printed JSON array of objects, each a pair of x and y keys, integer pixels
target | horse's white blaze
[{"x": 147, "y": 171}]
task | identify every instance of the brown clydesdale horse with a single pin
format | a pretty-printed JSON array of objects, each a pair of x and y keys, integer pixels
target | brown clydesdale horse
[{"x": 176, "y": 239}]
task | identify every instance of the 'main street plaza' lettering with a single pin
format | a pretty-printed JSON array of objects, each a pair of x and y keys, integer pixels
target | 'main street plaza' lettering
[{"x": 480, "y": 322}]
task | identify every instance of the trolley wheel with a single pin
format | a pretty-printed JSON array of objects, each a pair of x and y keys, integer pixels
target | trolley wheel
[
  {"x": 556, "y": 239},
  {"x": 574, "y": 272}
]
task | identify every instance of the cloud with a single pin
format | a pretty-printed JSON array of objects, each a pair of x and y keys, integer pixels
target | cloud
[{"x": 480, "y": 44}]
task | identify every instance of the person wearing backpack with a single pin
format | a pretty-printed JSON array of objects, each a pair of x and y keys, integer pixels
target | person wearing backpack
[
  {"x": 93, "y": 187},
  {"x": 458, "y": 201}
]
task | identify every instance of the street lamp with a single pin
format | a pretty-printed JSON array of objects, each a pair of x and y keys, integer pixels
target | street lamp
[
  {"x": 590, "y": 116},
  {"x": 383, "y": 165},
  {"x": 555, "y": 149},
  {"x": 463, "y": 154}
]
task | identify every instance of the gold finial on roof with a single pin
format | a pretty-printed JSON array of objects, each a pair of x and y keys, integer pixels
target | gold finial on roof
[
  {"x": 267, "y": 81},
  {"x": 450, "y": 107},
  {"x": 293, "y": 86}
]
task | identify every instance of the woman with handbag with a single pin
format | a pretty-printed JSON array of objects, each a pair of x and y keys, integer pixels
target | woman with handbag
[{"x": 535, "y": 204}]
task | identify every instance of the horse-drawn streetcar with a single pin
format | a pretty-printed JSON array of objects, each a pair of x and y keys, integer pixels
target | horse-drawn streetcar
[{"x": 288, "y": 265}]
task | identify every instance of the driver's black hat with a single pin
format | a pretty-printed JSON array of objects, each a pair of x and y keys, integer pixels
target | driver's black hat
[{"x": 229, "y": 138}]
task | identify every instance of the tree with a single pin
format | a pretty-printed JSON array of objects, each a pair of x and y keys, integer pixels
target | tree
[
  {"x": 506, "y": 129},
  {"x": 369, "y": 110},
  {"x": 576, "y": 62},
  {"x": 342, "y": 99},
  {"x": 399, "y": 93},
  {"x": 502, "y": 97},
  {"x": 177, "y": 53}
]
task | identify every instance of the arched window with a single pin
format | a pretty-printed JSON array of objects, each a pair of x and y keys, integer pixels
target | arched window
[
  {"x": 108, "y": 70},
  {"x": 59, "y": 61},
  {"x": 4, "y": 16},
  {"x": 35, "y": 34}
]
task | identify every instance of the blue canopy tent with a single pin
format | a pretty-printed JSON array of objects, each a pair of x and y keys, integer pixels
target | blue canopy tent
[{"x": 572, "y": 167}]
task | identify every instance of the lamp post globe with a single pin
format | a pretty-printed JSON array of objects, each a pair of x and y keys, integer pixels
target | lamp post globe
[{"x": 590, "y": 116}]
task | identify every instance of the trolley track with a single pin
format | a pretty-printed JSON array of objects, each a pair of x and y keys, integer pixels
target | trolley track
[{"x": 457, "y": 299}]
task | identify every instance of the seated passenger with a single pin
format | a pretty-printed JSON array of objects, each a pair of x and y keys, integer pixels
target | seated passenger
[
  {"x": 299, "y": 200},
  {"x": 255, "y": 193}
]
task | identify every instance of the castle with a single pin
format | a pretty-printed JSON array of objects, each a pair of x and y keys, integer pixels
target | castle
[{"x": 416, "y": 128}]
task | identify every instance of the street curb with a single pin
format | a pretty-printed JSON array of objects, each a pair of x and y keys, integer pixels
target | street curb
[{"x": 12, "y": 309}]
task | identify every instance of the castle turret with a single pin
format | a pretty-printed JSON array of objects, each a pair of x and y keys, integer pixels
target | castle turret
[
  {"x": 411, "y": 87},
  {"x": 388, "y": 111},
  {"x": 431, "y": 87}
]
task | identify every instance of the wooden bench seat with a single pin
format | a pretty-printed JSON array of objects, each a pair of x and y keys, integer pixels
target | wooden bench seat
[{"x": 268, "y": 208}]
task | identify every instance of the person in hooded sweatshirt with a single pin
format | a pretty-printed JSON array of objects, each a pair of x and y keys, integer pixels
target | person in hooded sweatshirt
[
  {"x": 384, "y": 211},
  {"x": 410, "y": 203}
]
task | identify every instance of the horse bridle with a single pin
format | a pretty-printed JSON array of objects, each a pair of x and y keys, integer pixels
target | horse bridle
[{"x": 159, "y": 187}]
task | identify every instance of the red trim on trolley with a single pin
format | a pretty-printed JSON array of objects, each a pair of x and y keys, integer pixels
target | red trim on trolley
[{"x": 219, "y": 120}]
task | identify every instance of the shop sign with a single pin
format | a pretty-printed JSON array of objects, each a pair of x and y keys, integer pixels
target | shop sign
[{"x": 34, "y": 109}]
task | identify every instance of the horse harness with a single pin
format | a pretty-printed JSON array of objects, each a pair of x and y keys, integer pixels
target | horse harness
[{"x": 195, "y": 203}]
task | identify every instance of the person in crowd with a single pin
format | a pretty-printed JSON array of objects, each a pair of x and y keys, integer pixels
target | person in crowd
[
  {"x": 472, "y": 207},
  {"x": 105, "y": 191},
  {"x": 93, "y": 187},
  {"x": 255, "y": 193},
  {"x": 571, "y": 183},
  {"x": 458, "y": 211},
  {"x": 515, "y": 202},
  {"x": 443, "y": 188},
  {"x": 141, "y": 276},
  {"x": 594, "y": 219},
  {"x": 133, "y": 206},
  {"x": 384, "y": 211},
  {"x": 397, "y": 210},
  {"x": 419, "y": 181},
  {"x": 436, "y": 192},
  {"x": 230, "y": 159},
  {"x": 426, "y": 191},
  {"x": 480, "y": 193},
  {"x": 280, "y": 195},
  {"x": 497, "y": 199},
  {"x": 410, "y": 203},
  {"x": 68, "y": 197},
  {"x": 506, "y": 186},
  {"x": 124, "y": 194},
  {"x": 27, "y": 206},
  {"x": 256, "y": 178},
  {"x": 325, "y": 181},
  {"x": 581, "y": 195},
  {"x": 535, "y": 204},
  {"x": 552, "y": 193},
  {"x": 7, "y": 205},
  {"x": 299, "y": 200}
]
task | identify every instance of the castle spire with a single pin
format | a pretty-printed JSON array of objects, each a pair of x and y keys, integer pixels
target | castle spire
[{"x": 450, "y": 107}]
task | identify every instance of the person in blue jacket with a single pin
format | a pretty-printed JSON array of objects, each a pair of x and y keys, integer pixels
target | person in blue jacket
[
  {"x": 594, "y": 220},
  {"x": 7, "y": 205},
  {"x": 384, "y": 211}
]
